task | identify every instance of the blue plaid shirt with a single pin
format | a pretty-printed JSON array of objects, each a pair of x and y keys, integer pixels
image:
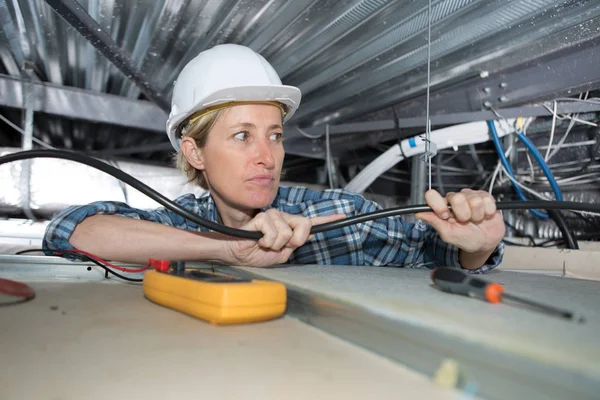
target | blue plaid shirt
[{"x": 389, "y": 241}]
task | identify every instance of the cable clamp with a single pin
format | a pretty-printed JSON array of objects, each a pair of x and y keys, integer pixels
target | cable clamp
[{"x": 430, "y": 149}]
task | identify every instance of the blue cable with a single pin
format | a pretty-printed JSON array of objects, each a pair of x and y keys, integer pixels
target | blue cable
[
  {"x": 506, "y": 165},
  {"x": 540, "y": 160}
]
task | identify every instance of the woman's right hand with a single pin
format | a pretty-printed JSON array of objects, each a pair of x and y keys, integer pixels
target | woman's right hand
[{"x": 282, "y": 234}]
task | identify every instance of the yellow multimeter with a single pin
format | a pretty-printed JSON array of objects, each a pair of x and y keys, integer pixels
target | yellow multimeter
[{"x": 217, "y": 298}]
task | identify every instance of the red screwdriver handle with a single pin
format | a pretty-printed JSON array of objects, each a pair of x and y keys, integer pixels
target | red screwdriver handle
[{"x": 454, "y": 280}]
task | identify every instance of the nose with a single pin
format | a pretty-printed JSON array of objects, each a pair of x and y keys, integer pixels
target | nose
[{"x": 264, "y": 155}]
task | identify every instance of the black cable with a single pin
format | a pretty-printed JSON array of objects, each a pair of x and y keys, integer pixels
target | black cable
[
  {"x": 507, "y": 205},
  {"x": 107, "y": 269},
  {"x": 85, "y": 257},
  {"x": 18, "y": 253},
  {"x": 566, "y": 231},
  {"x": 176, "y": 208}
]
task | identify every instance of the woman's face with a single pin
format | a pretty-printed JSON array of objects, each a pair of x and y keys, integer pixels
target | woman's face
[{"x": 243, "y": 156}]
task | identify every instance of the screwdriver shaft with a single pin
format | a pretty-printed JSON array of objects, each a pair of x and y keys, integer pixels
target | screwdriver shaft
[{"x": 549, "y": 309}]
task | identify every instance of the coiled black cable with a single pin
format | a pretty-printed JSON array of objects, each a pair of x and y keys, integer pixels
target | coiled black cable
[
  {"x": 176, "y": 208},
  {"x": 566, "y": 231}
]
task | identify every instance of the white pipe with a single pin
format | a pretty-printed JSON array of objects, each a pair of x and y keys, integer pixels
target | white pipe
[{"x": 453, "y": 136}]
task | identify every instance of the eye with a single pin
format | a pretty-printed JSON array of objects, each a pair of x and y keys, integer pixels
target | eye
[
  {"x": 277, "y": 137},
  {"x": 242, "y": 136}
]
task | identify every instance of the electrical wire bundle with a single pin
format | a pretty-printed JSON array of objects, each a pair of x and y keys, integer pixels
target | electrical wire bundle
[
  {"x": 531, "y": 150},
  {"x": 535, "y": 153},
  {"x": 554, "y": 214},
  {"x": 577, "y": 169}
]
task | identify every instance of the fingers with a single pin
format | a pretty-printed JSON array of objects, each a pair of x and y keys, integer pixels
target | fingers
[
  {"x": 281, "y": 230},
  {"x": 438, "y": 204},
  {"x": 460, "y": 206},
  {"x": 276, "y": 232},
  {"x": 489, "y": 205},
  {"x": 285, "y": 230},
  {"x": 482, "y": 204},
  {"x": 262, "y": 223},
  {"x": 440, "y": 215},
  {"x": 300, "y": 229},
  {"x": 471, "y": 211},
  {"x": 301, "y": 226},
  {"x": 476, "y": 204},
  {"x": 472, "y": 205}
]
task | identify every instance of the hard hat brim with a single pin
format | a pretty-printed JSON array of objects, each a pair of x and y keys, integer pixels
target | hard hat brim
[{"x": 287, "y": 95}]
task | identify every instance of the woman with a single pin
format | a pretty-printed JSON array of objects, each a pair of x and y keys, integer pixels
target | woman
[{"x": 226, "y": 123}]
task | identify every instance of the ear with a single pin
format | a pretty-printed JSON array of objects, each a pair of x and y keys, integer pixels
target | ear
[{"x": 192, "y": 153}]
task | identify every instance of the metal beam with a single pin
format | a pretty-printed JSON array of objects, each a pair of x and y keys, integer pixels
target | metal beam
[
  {"x": 527, "y": 111},
  {"x": 315, "y": 148},
  {"x": 353, "y": 127},
  {"x": 75, "y": 15},
  {"x": 571, "y": 72},
  {"x": 85, "y": 105},
  {"x": 567, "y": 107}
]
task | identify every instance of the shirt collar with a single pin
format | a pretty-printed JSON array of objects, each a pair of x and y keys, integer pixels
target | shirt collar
[{"x": 211, "y": 209}]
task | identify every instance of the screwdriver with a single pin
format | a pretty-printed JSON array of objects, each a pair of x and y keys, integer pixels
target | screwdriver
[{"x": 458, "y": 282}]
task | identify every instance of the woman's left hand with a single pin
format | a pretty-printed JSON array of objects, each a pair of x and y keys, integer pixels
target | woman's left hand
[{"x": 474, "y": 225}]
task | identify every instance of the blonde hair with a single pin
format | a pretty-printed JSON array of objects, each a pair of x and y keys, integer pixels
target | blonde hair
[
  {"x": 198, "y": 126},
  {"x": 198, "y": 130}
]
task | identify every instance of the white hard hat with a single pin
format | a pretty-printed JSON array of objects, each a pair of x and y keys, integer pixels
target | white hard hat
[{"x": 226, "y": 73}]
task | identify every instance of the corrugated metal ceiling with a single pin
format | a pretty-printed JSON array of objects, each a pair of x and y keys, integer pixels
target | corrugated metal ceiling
[{"x": 350, "y": 58}]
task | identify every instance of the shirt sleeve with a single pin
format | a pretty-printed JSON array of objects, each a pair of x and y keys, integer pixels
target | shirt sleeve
[{"x": 60, "y": 229}]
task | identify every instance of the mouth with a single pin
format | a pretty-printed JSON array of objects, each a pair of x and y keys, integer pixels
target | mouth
[{"x": 262, "y": 179}]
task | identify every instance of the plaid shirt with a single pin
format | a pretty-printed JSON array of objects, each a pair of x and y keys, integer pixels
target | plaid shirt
[{"x": 389, "y": 241}]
